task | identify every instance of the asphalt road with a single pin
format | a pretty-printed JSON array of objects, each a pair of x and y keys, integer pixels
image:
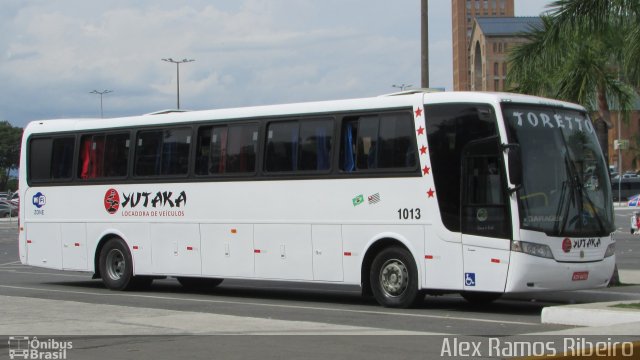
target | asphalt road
[{"x": 337, "y": 321}]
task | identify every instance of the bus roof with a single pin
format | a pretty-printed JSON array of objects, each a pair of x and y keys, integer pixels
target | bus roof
[{"x": 388, "y": 101}]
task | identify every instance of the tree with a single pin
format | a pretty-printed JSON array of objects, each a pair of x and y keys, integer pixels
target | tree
[
  {"x": 582, "y": 54},
  {"x": 10, "y": 138}
]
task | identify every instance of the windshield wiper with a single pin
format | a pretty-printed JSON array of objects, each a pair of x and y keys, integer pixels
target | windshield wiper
[
  {"x": 563, "y": 210},
  {"x": 582, "y": 194}
]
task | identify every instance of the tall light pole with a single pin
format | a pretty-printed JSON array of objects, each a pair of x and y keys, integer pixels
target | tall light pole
[
  {"x": 424, "y": 37},
  {"x": 178, "y": 62},
  {"x": 100, "y": 93}
]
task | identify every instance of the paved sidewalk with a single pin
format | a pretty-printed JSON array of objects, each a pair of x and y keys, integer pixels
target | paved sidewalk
[{"x": 601, "y": 318}]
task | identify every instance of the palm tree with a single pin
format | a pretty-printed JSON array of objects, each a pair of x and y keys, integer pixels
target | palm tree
[{"x": 582, "y": 54}]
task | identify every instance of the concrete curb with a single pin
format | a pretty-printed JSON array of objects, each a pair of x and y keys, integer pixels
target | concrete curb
[
  {"x": 629, "y": 277},
  {"x": 595, "y": 314}
]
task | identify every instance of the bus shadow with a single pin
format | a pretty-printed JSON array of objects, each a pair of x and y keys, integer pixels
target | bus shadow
[{"x": 318, "y": 294}]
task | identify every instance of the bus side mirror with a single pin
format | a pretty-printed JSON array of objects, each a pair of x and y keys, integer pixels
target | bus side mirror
[{"x": 515, "y": 164}]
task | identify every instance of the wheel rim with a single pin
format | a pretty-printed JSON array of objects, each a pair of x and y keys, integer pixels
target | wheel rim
[
  {"x": 394, "y": 277},
  {"x": 115, "y": 264}
]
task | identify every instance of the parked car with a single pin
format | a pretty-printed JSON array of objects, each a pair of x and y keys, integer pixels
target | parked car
[
  {"x": 7, "y": 209},
  {"x": 627, "y": 187}
]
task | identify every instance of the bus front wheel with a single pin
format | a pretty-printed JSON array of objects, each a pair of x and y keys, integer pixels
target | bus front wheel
[
  {"x": 116, "y": 265},
  {"x": 394, "y": 278}
]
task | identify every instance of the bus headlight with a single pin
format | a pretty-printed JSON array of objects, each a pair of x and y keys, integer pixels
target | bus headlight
[
  {"x": 611, "y": 250},
  {"x": 539, "y": 250}
]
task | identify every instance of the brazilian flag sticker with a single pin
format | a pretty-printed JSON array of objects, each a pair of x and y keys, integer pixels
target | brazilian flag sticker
[{"x": 358, "y": 200}]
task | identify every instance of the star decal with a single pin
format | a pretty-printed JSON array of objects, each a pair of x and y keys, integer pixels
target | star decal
[
  {"x": 423, "y": 150},
  {"x": 425, "y": 170},
  {"x": 420, "y": 130},
  {"x": 430, "y": 193},
  {"x": 418, "y": 112}
]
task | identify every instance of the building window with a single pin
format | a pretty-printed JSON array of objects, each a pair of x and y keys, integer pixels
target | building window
[
  {"x": 496, "y": 84},
  {"x": 495, "y": 69}
]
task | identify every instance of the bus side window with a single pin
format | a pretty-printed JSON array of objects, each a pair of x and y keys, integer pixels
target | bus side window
[
  {"x": 40, "y": 159},
  {"x": 62, "y": 158},
  {"x": 371, "y": 142},
  {"x": 162, "y": 152},
  {"x": 299, "y": 145},
  {"x": 348, "y": 147},
  {"x": 116, "y": 155}
]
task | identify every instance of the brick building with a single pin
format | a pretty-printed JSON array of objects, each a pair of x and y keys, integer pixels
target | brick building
[{"x": 463, "y": 14}]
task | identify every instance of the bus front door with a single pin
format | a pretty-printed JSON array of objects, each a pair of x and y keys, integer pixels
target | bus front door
[{"x": 485, "y": 220}]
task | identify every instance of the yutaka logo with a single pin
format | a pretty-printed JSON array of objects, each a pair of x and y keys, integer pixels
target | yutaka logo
[
  {"x": 143, "y": 203},
  {"x": 25, "y": 348},
  {"x": 111, "y": 201}
]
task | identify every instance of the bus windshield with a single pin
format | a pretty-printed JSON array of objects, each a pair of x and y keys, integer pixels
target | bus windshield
[{"x": 565, "y": 189}]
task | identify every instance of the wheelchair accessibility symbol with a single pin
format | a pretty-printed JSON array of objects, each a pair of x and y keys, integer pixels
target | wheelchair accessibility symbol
[{"x": 470, "y": 279}]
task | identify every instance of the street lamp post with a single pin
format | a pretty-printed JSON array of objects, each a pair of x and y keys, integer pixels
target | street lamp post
[
  {"x": 401, "y": 87},
  {"x": 100, "y": 93},
  {"x": 178, "y": 62}
]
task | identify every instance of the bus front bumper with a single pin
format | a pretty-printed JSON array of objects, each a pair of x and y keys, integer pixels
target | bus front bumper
[{"x": 529, "y": 273}]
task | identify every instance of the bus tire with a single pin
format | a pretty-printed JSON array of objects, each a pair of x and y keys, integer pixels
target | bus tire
[
  {"x": 196, "y": 283},
  {"x": 116, "y": 265},
  {"x": 394, "y": 278},
  {"x": 480, "y": 297}
]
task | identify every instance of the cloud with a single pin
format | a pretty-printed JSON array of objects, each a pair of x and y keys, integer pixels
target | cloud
[{"x": 247, "y": 52}]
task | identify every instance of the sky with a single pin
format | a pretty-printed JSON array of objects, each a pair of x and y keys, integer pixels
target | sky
[{"x": 246, "y": 52}]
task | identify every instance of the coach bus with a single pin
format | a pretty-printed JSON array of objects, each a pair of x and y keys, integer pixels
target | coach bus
[{"x": 405, "y": 194}]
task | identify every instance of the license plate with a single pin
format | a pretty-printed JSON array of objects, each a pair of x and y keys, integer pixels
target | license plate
[{"x": 580, "y": 275}]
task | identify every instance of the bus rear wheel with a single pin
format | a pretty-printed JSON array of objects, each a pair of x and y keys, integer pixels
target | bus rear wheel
[
  {"x": 196, "y": 283},
  {"x": 394, "y": 278},
  {"x": 116, "y": 267}
]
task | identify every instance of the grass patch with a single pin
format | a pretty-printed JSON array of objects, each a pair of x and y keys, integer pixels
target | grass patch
[{"x": 633, "y": 306}]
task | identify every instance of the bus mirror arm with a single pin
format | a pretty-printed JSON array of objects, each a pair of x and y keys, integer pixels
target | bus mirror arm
[
  {"x": 512, "y": 190},
  {"x": 515, "y": 165}
]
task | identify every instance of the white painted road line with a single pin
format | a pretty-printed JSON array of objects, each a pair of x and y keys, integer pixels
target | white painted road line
[{"x": 295, "y": 307}]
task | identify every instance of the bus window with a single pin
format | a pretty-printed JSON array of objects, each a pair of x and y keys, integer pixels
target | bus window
[
  {"x": 40, "y": 159},
  {"x": 377, "y": 142},
  {"x": 299, "y": 145},
  {"x": 484, "y": 206},
  {"x": 242, "y": 144},
  {"x": 315, "y": 145},
  {"x": 162, "y": 152},
  {"x": 450, "y": 127},
  {"x": 282, "y": 146},
  {"x": 227, "y": 149},
  {"x": 62, "y": 158},
  {"x": 103, "y": 156}
]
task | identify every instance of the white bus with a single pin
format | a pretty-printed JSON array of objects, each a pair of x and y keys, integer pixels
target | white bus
[{"x": 406, "y": 194}]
